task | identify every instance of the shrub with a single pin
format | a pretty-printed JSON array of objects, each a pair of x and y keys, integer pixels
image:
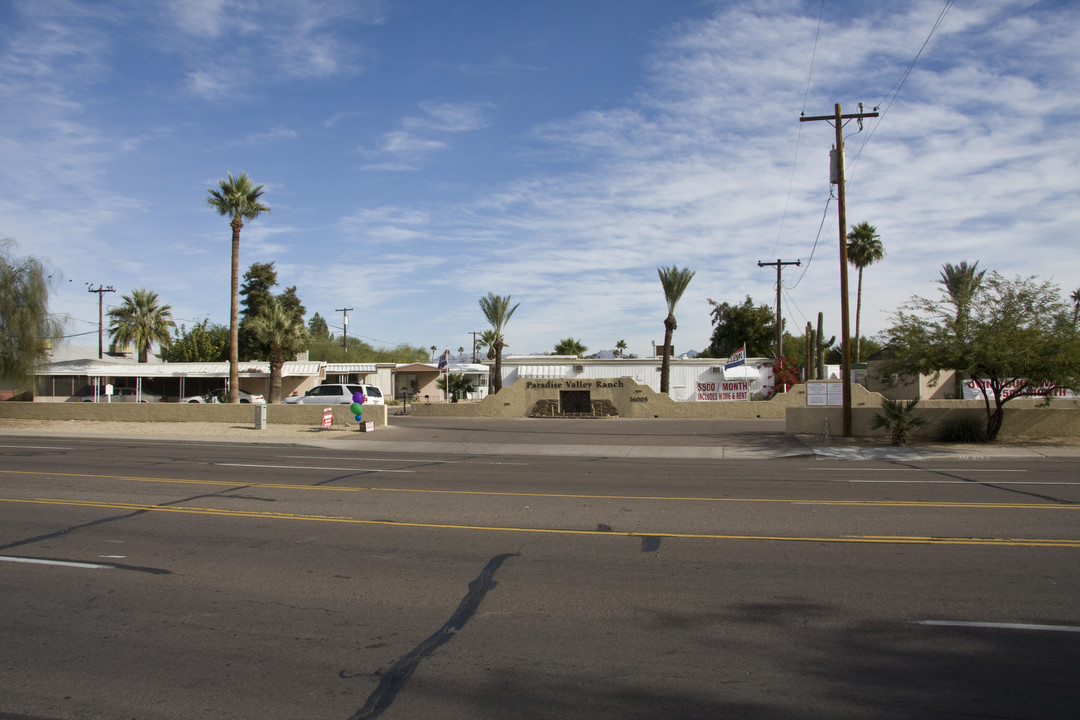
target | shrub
[{"x": 899, "y": 419}]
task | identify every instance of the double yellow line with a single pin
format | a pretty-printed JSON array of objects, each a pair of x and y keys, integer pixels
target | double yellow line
[{"x": 872, "y": 539}]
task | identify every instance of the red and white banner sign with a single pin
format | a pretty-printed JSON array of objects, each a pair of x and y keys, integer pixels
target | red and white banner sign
[{"x": 724, "y": 391}]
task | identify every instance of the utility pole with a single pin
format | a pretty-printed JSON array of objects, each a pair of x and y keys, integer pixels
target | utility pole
[
  {"x": 474, "y": 333},
  {"x": 100, "y": 290},
  {"x": 779, "y": 324},
  {"x": 845, "y": 338},
  {"x": 345, "y": 331}
]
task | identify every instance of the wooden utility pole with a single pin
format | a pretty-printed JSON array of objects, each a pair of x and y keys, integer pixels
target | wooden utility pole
[
  {"x": 345, "y": 330},
  {"x": 779, "y": 322},
  {"x": 100, "y": 290},
  {"x": 845, "y": 337},
  {"x": 474, "y": 333}
]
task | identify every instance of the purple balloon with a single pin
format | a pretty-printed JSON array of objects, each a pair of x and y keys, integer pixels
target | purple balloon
[{"x": 358, "y": 397}]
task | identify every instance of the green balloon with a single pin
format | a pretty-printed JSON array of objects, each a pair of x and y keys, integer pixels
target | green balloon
[{"x": 356, "y": 408}]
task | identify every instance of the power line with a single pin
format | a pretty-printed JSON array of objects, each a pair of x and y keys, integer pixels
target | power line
[{"x": 890, "y": 97}]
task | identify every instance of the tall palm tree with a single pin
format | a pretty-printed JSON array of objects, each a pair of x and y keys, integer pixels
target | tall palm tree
[
  {"x": 961, "y": 283},
  {"x": 570, "y": 346},
  {"x": 283, "y": 330},
  {"x": 237, "y": 199},
  {"x": 864, "y": 248},
  {"x": 674, "y": 282},
  {"x": 620, "y": 348},
  {"x": 497, "y": 312},
  {"x": 141, "y": 321}
]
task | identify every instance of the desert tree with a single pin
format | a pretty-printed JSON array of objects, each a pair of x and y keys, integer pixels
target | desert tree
[{"x": 26, "y": 327}]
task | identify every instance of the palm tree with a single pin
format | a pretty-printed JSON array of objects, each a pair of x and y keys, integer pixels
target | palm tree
[
  {"x": 238, "y": 199},
  {"x": 674, "y": 282},
  {"x": 455, "y": 384},
  {"x": 497, "y": 312},
  {"x": 864, "y": 248},
  {"x": 570, "y": 346},
  {"x": 283, "y": 330},
  {"x": 620, "y": 348},
  {"x": 1075, "y": 297},
  {"x": 141, "y": 321},
  {"x": 961, "y": 282}
]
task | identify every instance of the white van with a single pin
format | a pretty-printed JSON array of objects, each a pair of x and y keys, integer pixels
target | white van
[{"x": 337, "y": 394}]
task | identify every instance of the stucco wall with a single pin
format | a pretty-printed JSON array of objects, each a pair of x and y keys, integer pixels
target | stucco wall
[
  {"x": 631, "y": 400},
  {"x": 1025, "y": 419}
]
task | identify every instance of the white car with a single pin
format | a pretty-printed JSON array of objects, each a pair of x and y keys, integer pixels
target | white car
[
  {"x": 221, "y": 395},
  {"x": 337, "y": 394}
]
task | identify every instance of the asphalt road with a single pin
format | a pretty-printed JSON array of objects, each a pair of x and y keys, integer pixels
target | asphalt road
[{"x": 160, "y": 579}]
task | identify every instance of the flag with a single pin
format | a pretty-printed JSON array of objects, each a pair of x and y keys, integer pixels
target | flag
[
  {"x": 444, "y": 360},
  {"x": 737, "y": 358}
]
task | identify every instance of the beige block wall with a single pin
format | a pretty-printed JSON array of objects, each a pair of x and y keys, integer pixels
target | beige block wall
[
  {"x": 183, "y": 412},
  {"x": 1026, "y": 419},
  {"x": 630, "y": 399}
]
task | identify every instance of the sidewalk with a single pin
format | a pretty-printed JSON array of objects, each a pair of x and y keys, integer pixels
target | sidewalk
[{"x": 619, "y": 438}]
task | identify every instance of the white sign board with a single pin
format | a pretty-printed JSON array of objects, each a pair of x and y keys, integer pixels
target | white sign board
[{"x": 820, "y": 394}]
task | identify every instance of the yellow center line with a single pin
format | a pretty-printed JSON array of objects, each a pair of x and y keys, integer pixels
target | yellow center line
[
  {"x": 867, "y": 539},
  {"x": 566, "y": 496},
  {"x": 184, "y": 481}
]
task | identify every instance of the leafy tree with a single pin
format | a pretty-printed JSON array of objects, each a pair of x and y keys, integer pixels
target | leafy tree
[
  {"x": 25, "y": 324},
  {"x": 331, "y": 350},
  {"x": 456, "y": 384},
  {"x": 570, "y": 346},
  {"x": 141, "y": 321},
  {"x": 361, "y": 352},
  {"x": 257, "y": 294},
  {"x": 864, "y": 248},
  {"x": 674, "y": 282},
  {"x": 318, "y": 329},
  {"x": 735, "y": 324},
  {"x": 238, "y": 200},
  {"x": 497, "y": 312},
  {"x": 620, "y": 349},
  {"x": 283, "y": 331},
  {"x": 203, "y": 343},
  {"x": 1018, "y": 340}
]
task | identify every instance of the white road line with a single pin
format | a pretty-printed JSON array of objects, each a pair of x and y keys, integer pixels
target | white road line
[
  {"x": 312, "y": 467},
  {"x": 34, "y": 447},
  {"x": 963, "y": 482},
  {"x": 367, "y": 459},
  {"x": 885, "y": 470},
  {"x": 1001, "y": 626},
  {"x": 63, "y": 563}
]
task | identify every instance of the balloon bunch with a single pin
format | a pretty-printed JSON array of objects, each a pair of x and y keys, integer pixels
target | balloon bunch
[{"x": 357, "y": 406}]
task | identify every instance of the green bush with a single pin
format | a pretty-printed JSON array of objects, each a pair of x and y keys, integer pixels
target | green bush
[{"x": 899, "y": 419}]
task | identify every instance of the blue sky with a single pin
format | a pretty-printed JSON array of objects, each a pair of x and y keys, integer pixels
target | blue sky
[{"x": 418, "y": 154}]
